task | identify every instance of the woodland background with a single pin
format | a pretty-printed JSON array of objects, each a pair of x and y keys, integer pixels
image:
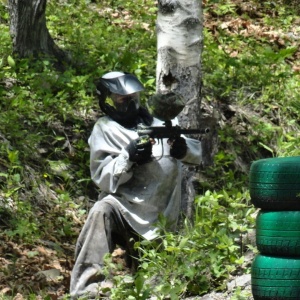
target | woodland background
[{"x": 251, "y": 72}]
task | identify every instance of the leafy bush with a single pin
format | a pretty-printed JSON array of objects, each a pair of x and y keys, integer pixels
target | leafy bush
[{"x": 199, "y": 258}]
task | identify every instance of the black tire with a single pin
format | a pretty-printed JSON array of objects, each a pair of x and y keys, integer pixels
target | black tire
[
  {"x": 278, "y": 233},
  {"x": 275, "y": 278},
  {"x": 274, "y": 183}
]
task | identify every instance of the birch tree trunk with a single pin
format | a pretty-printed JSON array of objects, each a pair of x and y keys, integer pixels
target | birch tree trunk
[
  {"x": 179, "y": 47},
  {"x": 28, "y": 29}
]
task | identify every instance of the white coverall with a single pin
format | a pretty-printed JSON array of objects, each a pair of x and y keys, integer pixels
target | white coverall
[{"x": 138, "y": 193}]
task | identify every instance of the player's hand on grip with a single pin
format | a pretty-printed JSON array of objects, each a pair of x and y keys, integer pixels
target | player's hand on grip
[
  {"x": 178, "y": 147},
  {"x": 140, "y": 150}
]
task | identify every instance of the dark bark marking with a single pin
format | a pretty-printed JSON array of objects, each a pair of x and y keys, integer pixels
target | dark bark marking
[
  {"x": 190, "y": 23},
  {"x": 167, "y": 6},
  {"x": 168, "y": 79}
]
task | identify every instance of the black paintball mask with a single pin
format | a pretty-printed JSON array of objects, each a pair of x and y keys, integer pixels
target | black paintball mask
[{"x": 119, "y": 97}]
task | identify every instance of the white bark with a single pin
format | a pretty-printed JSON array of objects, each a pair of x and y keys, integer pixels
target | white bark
[{"x": 179, "y": 47}]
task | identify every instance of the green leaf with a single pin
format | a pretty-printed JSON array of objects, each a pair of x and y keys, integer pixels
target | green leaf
[
  {"x": 139, "y": 283},
  {"x": 11, "y": 61},
  {"x": 266, "y": 147},
  {"x": 183, "y": 242}
]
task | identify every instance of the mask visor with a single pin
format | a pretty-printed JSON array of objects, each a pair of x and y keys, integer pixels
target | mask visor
[{"x": 124, "y": 104}]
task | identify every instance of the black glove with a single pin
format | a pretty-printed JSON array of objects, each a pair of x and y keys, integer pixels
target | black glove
[
  {"x": 178, "y": 148},
  {"x": 140, "y": 150}
]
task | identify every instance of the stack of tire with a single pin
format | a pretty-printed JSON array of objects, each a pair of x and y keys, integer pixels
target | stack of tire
[{"x": 275, "y": 188}]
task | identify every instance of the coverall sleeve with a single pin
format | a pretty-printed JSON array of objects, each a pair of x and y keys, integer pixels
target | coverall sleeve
[
  {"x": 194, "y": 152},
  {"x": 109, "y": 163}
]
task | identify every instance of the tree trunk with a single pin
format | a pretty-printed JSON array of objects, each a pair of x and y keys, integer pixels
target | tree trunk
[
  {"x": 29, "y": 32},
  {"x": 179, "y": 47}
]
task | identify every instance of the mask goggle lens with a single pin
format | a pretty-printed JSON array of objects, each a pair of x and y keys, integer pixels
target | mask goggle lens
[{"x": 123, "y": 103}]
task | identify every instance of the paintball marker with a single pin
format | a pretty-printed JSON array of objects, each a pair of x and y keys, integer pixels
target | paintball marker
[
  {"x": 168, "y": 131},
  {"x": 165, "y": 107}
]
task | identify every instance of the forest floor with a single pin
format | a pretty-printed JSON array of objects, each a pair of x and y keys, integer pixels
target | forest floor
[{"x": 45, "y": 266}]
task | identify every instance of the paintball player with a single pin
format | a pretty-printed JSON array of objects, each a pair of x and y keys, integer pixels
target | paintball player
[{"x": 138, "y": 180}]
